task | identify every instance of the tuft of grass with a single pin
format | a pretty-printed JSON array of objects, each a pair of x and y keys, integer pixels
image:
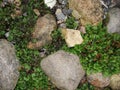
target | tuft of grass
[
  {"x": 57, "y": 42},
  {"x": 5, "y": 19},
  {"x": 71, "y": 23},
  {"x": 86, "y": 86}
]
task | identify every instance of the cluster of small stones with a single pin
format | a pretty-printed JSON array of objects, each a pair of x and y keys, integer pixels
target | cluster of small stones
[{"x": 62, "y": 12}]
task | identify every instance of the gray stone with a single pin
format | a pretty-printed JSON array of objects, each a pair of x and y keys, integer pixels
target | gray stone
[
  {"x": 8, "y": 66},
  {"x": 67, "y": 11},
  {"x": 62, "y": 25},
  {"x": 63, "y": 69},
  {"x": 64, "y": 2},
  {"x": 60, "y": 15},
  {"x": 114, "y": 22}
]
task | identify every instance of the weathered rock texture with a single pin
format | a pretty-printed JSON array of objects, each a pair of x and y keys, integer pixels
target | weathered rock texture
[
  {"x": 42, "y": 32},
  {"x": 8, "y": 66},
  {"x": 114, "y": 22},
  {"x": 98, "y": 80},
  {"x": 89, "y": 11},
  {"x": 72, "y": 37},
  {"x": 60, "y": 16},
  {"x": 63, "y": 69},
  {"x": 115, "y": 82}
]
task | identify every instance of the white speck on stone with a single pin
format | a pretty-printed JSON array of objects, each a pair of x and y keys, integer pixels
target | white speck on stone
[{"x": 50, "y": 3}]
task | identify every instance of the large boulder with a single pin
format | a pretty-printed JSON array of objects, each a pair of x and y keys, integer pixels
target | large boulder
[
  {"x": 42, "y": 31},
  {"x": 114, "y": 22},
  {"x": 89, "y": 11},
  {"x": 8, "y": 66},
  {"x": 63, "y": 69},
  {"x": 98, "y": 80}
]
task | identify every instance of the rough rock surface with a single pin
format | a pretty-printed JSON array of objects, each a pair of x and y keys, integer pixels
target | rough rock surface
[
  {"x": 72, "y": 37},
  {"x": 114, "y": 22},
  {"x": 8, "y": 66},
  {"x": 60, "y": 15},
  {"x": 89, "y": 11},
  {"x": 115, "y": 82},
  {"x": 42, "y": 32},
  {"x": 64, "y": 70},
  {"x": 98, "y": 80}
]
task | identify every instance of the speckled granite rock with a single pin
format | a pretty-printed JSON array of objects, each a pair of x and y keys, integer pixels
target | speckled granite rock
[{"x": 8, "y": 66}]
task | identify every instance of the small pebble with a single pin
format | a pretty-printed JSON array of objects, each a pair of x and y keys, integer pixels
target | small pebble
[
  {"x": 60, "y": 15},
  {"x": 7, "y": 34},
  {"x": 64, "y": 2},
  {"x": 43, "y": 52},
  {"x": 67, "y": 11},
  {"x": 62, "y": 25},
  {"x": 36, "y": 11},
  {"x": 25, "y": 14}
]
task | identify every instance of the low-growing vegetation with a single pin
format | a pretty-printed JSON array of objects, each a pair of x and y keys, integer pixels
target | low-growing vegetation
[{"x": 98, "y": 53}]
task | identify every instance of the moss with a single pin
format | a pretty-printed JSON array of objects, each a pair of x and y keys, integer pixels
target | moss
[{"x": 99, "y": 52}]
